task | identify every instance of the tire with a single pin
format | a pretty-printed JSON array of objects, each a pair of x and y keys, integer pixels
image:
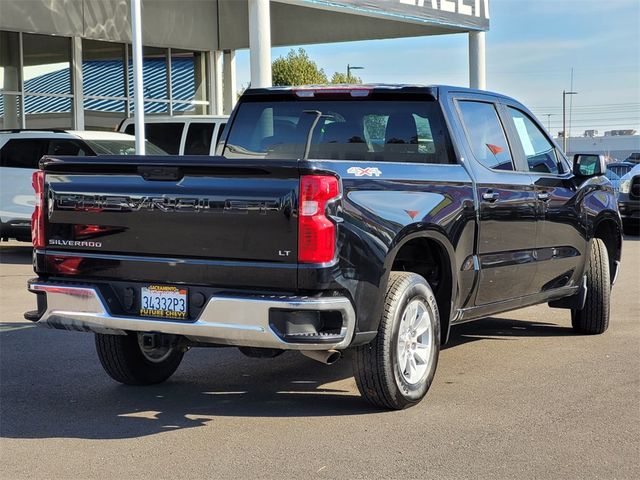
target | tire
[
  {"x": 381, "y": 372},
  {"x": 122, "y": 358},
  {"x": 593, "y": 319}
]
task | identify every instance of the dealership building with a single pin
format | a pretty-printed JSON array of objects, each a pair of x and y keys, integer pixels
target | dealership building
[{"x": 68, "y": 63}]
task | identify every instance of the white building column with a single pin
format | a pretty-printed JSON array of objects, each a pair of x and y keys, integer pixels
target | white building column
[
  {"x": 214, "y": 82},
  {"x": 260, "y": 43},
  {"x": 138, "y": 83},
  {"x": 229, "y": 80},
  {"x": 77, "y": 83},
  {"x": 477, "y": 61}
]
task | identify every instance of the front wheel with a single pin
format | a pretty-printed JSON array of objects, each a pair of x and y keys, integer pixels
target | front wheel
[
  {"x": 396, "y": 369},
  {"x": 593, "y": 318},
  {"x": 128, "y": 360}
]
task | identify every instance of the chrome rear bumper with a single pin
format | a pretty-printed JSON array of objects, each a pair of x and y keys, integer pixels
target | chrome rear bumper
[{"x": 227, "y": 320}]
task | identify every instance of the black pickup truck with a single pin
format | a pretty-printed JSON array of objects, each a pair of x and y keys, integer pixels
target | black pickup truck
[{"x": 370, "y": 218}]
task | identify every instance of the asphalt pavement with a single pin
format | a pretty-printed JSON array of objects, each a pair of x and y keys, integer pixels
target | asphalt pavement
[{"x": 515, "y": 396}]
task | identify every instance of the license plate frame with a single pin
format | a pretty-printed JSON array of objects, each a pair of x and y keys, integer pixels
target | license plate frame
[{"x": 164, "y": 301}]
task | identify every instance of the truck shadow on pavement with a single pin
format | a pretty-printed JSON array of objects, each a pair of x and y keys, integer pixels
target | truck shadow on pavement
[
  {"x": 503, "y": 329},
  {"x": 53, "y": 386}
]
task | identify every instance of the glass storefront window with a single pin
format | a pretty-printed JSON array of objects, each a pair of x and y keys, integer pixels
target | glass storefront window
[
  {"x": 37, "y": 91},
  {"x": 103, "y": 69},
  {"x": 188, "y": 82},
  {"x": 48, "y": 112},
  {"x": 47, "y": 64},
  {"x": 10, "y": 61},
  {"x": 103, "y": 77},
  {"x": 10, "y": 110},
  {"x": 155, "y": 77}
]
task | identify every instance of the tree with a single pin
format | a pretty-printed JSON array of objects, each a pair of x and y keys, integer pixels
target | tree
[
  {"x": 342, "y": 78},
  {"x": 297, "y": 69}
]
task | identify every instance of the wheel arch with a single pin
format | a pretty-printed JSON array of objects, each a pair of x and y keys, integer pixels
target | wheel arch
[
  {"x": 434, "y": 250},
  {"x": 608, "y": 228}
]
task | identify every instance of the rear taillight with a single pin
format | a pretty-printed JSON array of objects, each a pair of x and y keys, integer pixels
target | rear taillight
[
  {"x": 37, "y": 218},
  {"x": 316, "y": 233}
]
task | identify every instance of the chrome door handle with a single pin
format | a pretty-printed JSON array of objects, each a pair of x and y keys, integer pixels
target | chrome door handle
[
  {"x": 544, "y": 196},
  {"x": 490, "y": 196}
]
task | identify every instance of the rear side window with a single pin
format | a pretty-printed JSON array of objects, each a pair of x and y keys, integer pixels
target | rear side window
[
  {"x": 355, "y": 130},
  {"x": 540, "y": 152},
  {"x": 486, "y": 135},
  {"x": 23, "y": 153},
  {"x": 167, "y": 136},
  {"x": 199, "y": 139}
]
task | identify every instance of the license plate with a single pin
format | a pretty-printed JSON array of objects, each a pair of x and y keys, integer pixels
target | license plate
[{"x": 163, "y": 301}]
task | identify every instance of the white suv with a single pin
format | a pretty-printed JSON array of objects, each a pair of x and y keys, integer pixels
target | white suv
[
  {"x": 181, "y": 134},
  {"x": 20, "y": 152}
]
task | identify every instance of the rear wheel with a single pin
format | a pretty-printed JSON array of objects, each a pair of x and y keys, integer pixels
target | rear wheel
[
  {"x": 128, "y": 360},
  {"x": 593, "y": 318},
  {"x": 396, "y": 369}
]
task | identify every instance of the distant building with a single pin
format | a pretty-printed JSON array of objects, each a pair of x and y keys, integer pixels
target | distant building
[
  {"x": 613, "y": 146},
  {"x": 590, "y": 133},
  {"x": 619, "y": 133}
]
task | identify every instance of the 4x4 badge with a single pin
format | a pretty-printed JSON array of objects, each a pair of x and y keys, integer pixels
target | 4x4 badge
[{"x": 361, "y": 172}]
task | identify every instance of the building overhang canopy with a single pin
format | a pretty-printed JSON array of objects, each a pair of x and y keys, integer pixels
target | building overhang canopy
[
  {"x": 191, "y": 24},
  {"x": 300, "y": 22}
]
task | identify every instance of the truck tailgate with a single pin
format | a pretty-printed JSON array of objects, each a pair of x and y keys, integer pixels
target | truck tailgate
[{"x": 212, "y": 209}]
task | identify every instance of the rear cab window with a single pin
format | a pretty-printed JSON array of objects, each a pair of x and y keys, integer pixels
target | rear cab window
[
  {"x": 350, "y": 129},
  {"x": 486, "y": 134}
]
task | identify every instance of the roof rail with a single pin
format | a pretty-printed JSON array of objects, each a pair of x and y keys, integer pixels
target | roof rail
[{"x": 20, "y": 130}]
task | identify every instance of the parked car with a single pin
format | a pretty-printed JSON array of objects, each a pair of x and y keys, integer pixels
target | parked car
[
  {"x": 20, "y": 151},
  {"x": 633, "y": 158},
  {"x": 629, "y": 198},
  {"x": 308, "y": 233},
  {"x": 181, "y": 134},
  {"x": 616, "y": 170}
]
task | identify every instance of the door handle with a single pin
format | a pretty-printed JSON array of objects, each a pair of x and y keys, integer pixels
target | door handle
[
  {"x": 490, "y": 196},
  {"x": 544, "y": 196}
]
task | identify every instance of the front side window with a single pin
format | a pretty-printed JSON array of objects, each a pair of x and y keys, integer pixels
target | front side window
[
  {"x": 486, "y": 135},
  {"x": 540, "y": 152},
  {"x": 358, "y": 130}
]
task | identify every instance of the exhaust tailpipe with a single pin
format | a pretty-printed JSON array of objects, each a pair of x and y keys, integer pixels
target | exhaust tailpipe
[{"x": 327, "y": 357}]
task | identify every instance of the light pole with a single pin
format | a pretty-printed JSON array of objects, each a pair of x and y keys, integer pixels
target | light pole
[
  {"x": 549, "y": 122},
  {"x": 349, "y": 68},
  {"x": 564, "y": 118}
]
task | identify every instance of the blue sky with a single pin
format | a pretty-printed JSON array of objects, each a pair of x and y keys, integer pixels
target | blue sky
[{"x": 531, "y": 48}]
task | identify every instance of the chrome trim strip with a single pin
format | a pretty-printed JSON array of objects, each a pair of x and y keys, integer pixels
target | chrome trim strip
[{"x": 227, "y": 320}]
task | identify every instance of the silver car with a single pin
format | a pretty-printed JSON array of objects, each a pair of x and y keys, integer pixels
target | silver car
[{"x": 20, "y": 152}]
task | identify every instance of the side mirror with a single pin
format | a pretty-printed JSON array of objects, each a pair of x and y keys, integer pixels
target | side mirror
[{"x": 589, "y": 165}]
